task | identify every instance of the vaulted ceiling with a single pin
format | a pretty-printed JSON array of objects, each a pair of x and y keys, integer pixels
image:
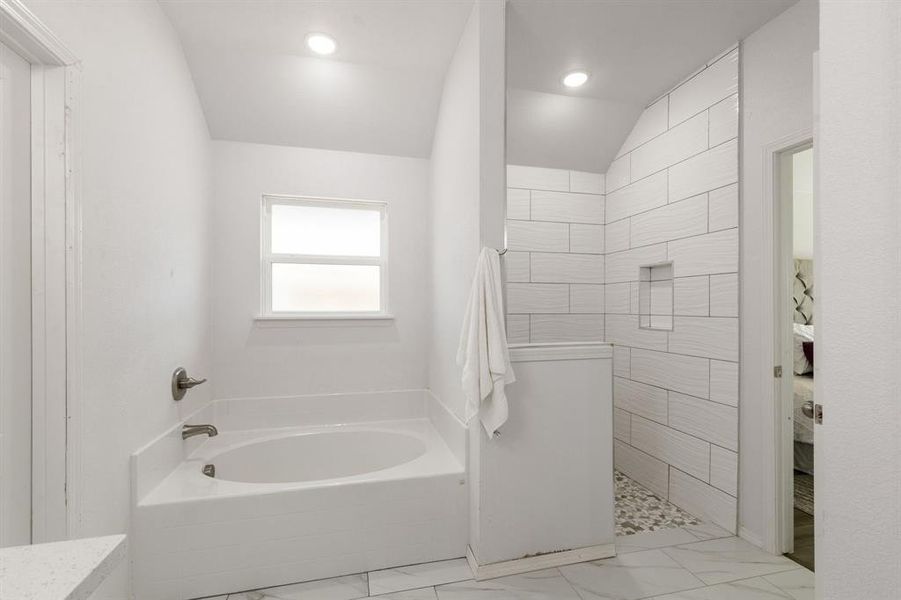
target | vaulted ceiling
[
  {"x": 635, "y": 50},
  {"x": 379, "y": 93}
]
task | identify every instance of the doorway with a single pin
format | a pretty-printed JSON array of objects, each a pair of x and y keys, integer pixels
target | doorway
[
  {"x": 40, "y": 282},
  {"x": 795, "y": 322},
  {"x": 15, "y": 299}
]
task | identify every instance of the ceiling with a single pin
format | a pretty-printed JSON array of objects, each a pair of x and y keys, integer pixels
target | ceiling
[
  {"x": 635, "y": 50},
  {"x": 379, "y": 93}
]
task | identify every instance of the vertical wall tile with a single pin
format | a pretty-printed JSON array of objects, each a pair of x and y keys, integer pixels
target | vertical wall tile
[
  {"x": 618, "y": 298},
  {"x": 641, "y": 399},
  {"x": 621, "y": 361},
  {"x": 567, "y": 328},
  {"x": 651, "y": 123},
  {"x": 586, "y": 183},
  {"x": 687, "y": 374},
  {"x": 624, "y": 266},
  {"x": 637, "y": 197},
  {"x": 567, "y": 207},
  {"x": 716, "y": 423},
  {"x": 675, "y": 448},
  {"x": 704, "y": 89},
  {"x": 708, "y": 254},
  {"x": 586, "y": 298},
  {"x": 691, "y": 296},
  {"x": 670, "y": 222},
  {"x": 724, "y": 208},
  {"x": 703, "y": 500},
  {"x": 518, "y": 204},
  {"x": 724, "y": 120},
  {"x": 672, "y": 197},
  {"x": 586, "y": 239},
  {"x": 724, "y": 382},
  {"x": 623, "y": 329},
  {"x": 537, "y": 298},
  {"x": 618, "y": 174},
  {"x": 704, "y": 172},
  {"x": 724, "y": 295},
  {"x": 622, "y": 422},
  {"x": 518, "y": 329},
  {"x": 537, "y": 178},
  {"x": 712, "y": 337},
  {"x": 555, "y": 235},
  {"x": 677, "y": 144},
  {"x": 517, "y": 266},
  {"x": 538, "y": 237},
  {"x": 617, "y": 236},
  {"x": 556, "y": 267},
  {"x": 648, "y": 471},
  {"x": 723, "y": 469}
]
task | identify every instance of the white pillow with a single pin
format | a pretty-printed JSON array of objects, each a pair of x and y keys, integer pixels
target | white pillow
[{"x": 802, "y": 333}]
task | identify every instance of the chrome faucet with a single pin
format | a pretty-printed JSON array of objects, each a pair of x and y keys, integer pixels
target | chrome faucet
[{"x": 192, "y": 430}]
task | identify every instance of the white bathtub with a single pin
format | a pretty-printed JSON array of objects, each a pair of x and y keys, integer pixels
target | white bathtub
[
  {"x": 290, "y": 457},
  {"x": 299, "y": 502}
]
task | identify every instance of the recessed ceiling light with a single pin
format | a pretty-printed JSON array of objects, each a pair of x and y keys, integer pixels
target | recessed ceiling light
[
  {"x": 575, "y": 79},
  {"x": 321, "y": 43}
]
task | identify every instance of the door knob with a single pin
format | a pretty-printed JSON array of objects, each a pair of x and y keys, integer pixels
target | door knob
[
  {"x": 807, "y": 409},
  {"x": 181, "y": 383}
]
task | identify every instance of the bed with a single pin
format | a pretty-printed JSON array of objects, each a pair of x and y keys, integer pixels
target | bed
[{"x": 803, "y": 335}]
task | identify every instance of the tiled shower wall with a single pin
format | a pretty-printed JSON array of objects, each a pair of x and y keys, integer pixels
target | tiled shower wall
[
  {"x": 672, "y": 197},
  {"x": 555, "y": 260}
]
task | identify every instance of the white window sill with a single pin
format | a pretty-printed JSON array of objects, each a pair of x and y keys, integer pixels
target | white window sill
[{"x": 350, "y": 319}]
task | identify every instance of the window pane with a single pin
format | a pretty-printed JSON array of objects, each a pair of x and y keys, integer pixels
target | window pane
[
  {"x": 325, "y": 231},
  {"x": 325, "y": 288}
]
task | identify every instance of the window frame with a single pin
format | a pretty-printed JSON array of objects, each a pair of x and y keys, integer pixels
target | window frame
[{"x": 268, "y": 258}]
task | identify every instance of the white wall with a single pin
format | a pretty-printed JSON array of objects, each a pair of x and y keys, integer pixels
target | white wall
[
  {"x": 802, "y": 204},
  {"x": 857, "y": 379},
  {"x": 144, "y": 152},
  {"x": 777, "y": 97},
  {"x": 672, "y": 195},
  {"x": 454, "y": 223},
  {"x": 277, "y": 359}
]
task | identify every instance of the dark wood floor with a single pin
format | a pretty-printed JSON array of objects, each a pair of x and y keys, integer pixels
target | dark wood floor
[{"x": 803, "y": 554}]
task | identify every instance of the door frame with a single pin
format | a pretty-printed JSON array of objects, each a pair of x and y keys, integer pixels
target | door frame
[
  {"x": 783, "y": 344},
  {"x": 56, "y": 272},
  {"x": 777, "y": 421}
]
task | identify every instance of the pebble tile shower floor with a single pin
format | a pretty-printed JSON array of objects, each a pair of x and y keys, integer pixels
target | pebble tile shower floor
[{"x": 638, "y": 509}]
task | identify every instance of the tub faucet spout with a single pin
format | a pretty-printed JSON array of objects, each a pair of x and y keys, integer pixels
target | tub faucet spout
[{"x": 192, "y": 430}]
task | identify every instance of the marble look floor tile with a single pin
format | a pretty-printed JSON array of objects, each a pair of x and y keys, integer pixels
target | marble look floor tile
[
  {"x": 799, "y": 584},
  {"x": 648, "y": 540},
  {"x": 350, "y": 587},
  {"x": 727, "y": 559},
  {"x": 548, "y": 584},
  {"x": 746, "y": 589},
  {"x": 631, "y": 576},
  {"x": 420, "y": 594},
  {"x": 418, "y": 576},
  {"x": 707, "y": 531}
]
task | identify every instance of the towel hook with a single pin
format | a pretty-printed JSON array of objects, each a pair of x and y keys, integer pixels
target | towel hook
[{"x": 501, "y": 252}]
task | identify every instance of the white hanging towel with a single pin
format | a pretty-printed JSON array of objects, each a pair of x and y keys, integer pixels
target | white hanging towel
[{"x": 483, "y": 351}]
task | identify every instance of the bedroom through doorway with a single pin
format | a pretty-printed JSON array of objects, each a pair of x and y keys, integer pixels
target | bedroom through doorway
[{"x": 797, "y": 312}]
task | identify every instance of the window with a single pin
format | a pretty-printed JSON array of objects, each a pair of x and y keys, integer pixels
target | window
[{"x": 324, "y": 258}]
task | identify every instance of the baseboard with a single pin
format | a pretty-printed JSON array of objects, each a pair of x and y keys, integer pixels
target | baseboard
[
  {"x": 537, "y": 563},
  {"x": 750, "y": 536}
]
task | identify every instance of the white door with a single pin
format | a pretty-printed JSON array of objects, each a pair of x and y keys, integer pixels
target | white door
[{"x": 15, "y": 299}]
